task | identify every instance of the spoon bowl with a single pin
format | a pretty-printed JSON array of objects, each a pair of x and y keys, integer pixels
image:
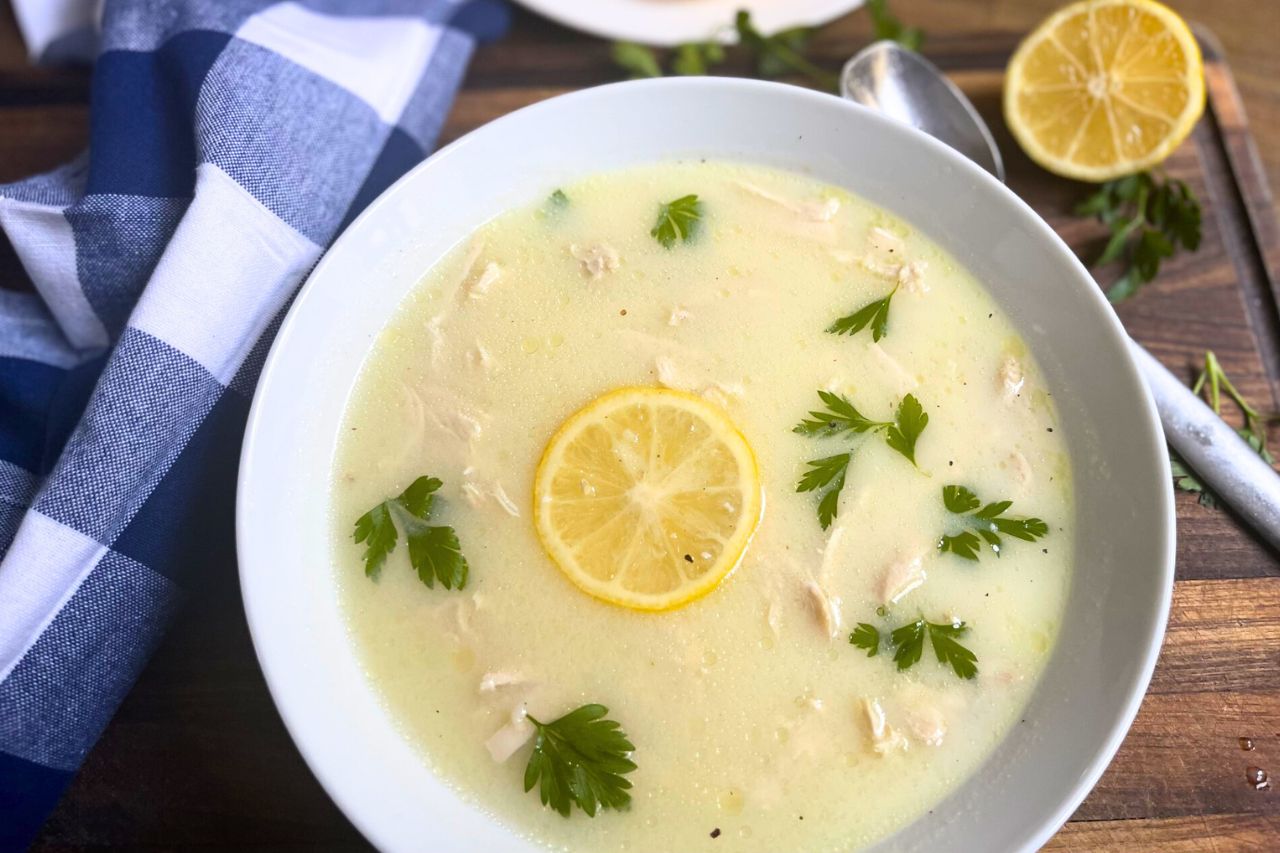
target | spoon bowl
[{"x": 905, "y": 86}]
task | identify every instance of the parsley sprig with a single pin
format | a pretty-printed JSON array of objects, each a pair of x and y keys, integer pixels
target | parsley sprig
[
  {"x": 875, "y": 314},
  {"x": 678, "y": 221},
  {"x": 1212, "y": 382},
  {"x": 1149, "y": 219},
  {"x": 580, "y": 759},
  {"x": 434, "y": 551},
  {"x": 908, "y": 641},
  {"x": 886, "y": 26},
  {"x": 690, "y": 58},
  {"x": 773, "y": 55},
  {"x": 841, "y": 417},
  {"x": 987, "y": 521},
  {"x": 782, "y": 53}
]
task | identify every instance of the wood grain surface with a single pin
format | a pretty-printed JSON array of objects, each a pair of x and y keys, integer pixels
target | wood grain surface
[{"x": 198, "y": 757}]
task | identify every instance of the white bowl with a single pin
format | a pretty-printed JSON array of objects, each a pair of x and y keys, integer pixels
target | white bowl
[{"x": 1124, "y": 551}]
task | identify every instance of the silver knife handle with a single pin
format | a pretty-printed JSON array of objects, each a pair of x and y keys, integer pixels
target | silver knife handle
[{"x": 1211, "y": 448}]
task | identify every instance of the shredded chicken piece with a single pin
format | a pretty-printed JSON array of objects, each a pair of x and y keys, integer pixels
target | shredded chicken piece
[
  {"x": 911, "y": 277},
  {"x": 507, "y": 740},
  {"x": 668, "y": 374},
  {"x": 826, "y": 609},
  {"x": 460, "y": 611},
  {"x": 678, "y": 315},
  {"x": 885, "y": 241},
  {"x": 491, "y": 681},
  {"x": 504, "y": 501},
  {"x": 927, "y": 724},
  {"x": 465, "y": 426},
  {"x": 596, "y": 259},
  {"x": 477, "y": 287},
  {"x": 831, "y": 551},
  {"x": 481, "y": 358},
  {"x": 478, "y": 493},
  {"x": 884, "y": 738},
  {"x": 469, "y": 263},
  {"x": 903, "y": 381},
  {"x": 723, "y": 393},
  {"x": 1021, "y": 469},
  {"x": 1010, "y": 377},
  {"x": 435, "y": 331},
  {"x": 772, "y": 619},
  {"x": 812, "y": 209},
  {"x": 901, "y": 577}
]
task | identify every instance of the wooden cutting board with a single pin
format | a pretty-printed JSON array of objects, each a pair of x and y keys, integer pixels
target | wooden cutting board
[{"x": 197, "y": 754}]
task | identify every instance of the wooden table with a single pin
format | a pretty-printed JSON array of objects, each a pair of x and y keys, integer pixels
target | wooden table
[{"x": 197, "y": 756}]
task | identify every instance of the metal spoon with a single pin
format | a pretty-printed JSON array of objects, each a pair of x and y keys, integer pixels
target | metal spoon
[{"x": 907, "y": 87}]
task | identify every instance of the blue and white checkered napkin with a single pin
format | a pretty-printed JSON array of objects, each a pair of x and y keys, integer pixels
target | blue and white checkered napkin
[{"x": 230, "y": 141}]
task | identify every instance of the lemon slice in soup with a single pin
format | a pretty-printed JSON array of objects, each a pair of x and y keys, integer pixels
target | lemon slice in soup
[{"x": 647, "y": 497}]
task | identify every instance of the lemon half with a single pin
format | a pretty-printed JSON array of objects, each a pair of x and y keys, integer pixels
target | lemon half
[
  {"x": 647, "y": 497},
  {"x": 1105, "y": 88}
]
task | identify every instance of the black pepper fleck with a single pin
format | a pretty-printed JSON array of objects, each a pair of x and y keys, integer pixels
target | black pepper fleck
[
  {"x": 715, "y": 833},
  {"x": 688, "y": 558},
  {"x": 1049, "y": 429},
  {"x": 623, "y": 313}
]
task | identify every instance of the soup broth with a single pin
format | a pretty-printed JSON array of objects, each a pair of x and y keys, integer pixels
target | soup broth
[{"x": 757, "y": 724}]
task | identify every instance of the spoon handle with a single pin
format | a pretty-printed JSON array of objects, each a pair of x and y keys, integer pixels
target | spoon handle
[{"x": 1223, "y": 460}]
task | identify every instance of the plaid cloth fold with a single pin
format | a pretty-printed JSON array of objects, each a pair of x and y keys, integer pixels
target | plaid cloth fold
[{"x": 230, "y": 141}]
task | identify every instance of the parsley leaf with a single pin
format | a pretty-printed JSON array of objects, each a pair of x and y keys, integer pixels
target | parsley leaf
[
  {"x": 909, "y": 422},
  {"x": 693, "y": 58},
  {"x": 886, "y": 26},
  {"x": 782, "y": 52},
  {"x": 639, "y": 60},
  {"x": 434, "y": 551},
  {"x": 866, "y": 637},
  {"x": 964, "y": 544},
  {"x": 909, "y": 640},
  {"x": 1212, "y": 382},
  {"x": 875, "y": 314},
  {"x": 826, "y": 472},
  {"x": 963, "y": 662},
  {"x": 558, "y": 200},
  {"x": 1149, "y": 220},
  {"x": 580, "y": 759},
  {"x": 677, "y": 221},
  {"x": 841, "y": 416},
  {"x": 988, "y": 523},
  {"x": 959, "y": 499}
]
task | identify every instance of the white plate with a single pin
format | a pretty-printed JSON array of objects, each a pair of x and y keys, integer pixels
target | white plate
[
  {"x": 670, "y": 22},
  {"x": 1123, "y": 579}
]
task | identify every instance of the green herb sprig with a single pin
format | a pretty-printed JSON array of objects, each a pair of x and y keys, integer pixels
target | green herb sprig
[
  {"x": 841, "y": 417},
  {"x": 908, "y": 641},
  {"x": 1149, "y": 220},
  {"x": 678, "y": 221},
  {"x": 886, "y": 26},
  {"x": 987, "y": 522},
  {"x": 580, "y": 759},
  {"x": 782, "y": 53},
  {"x": 434, "y": 551},
  {"x": 1212, "y": 382},
  {"x": 773, "y": 55},
  {"x": 875, "y": 314},
  {"x": 688, "y": 59}
]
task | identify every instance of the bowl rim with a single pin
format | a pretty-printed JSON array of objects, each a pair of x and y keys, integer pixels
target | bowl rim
[{"x": 1145, "y": 409}]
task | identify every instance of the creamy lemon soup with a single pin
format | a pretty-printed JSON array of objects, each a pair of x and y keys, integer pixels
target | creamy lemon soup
[{"x": 738, "y": 464}]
